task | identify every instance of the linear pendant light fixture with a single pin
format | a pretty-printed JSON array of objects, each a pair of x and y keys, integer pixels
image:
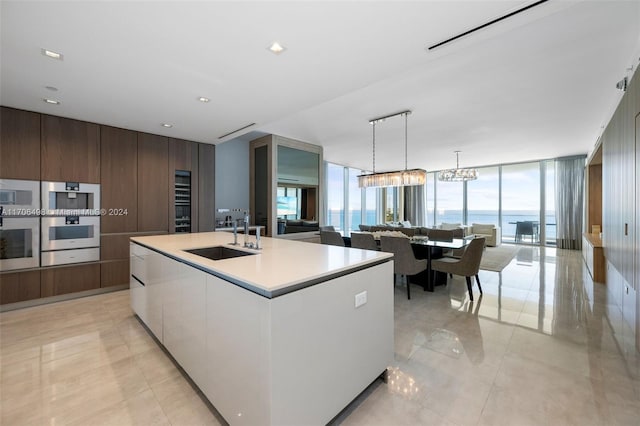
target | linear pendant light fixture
[
  {"x": 395, "y": 178},
  {"x": 457, "y": 174}
]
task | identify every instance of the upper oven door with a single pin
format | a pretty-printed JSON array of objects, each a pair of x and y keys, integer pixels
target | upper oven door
[
  {"x": 70, "y": 232},
  {"x": 19, "y": 243},
  {"x": 19, "y": 197},
  {"x": 71, "y": 198}
]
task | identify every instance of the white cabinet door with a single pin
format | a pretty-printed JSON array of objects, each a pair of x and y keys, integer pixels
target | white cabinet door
[
  {"x": 193, "y": 299},
  {"x": 137, "y": 278},
  {"x": 158, "y": 270}
]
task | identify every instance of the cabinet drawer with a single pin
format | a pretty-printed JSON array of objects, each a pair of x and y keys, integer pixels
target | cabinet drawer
[
  {"x": 69, "y": 279},
  {"x": 114, "y": 273},
  {"x": 19, "y": 286},
  {"x": 139, "y": 262}
]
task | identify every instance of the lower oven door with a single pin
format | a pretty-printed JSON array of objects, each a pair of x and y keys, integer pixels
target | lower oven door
[
  {"x": 19, "y": 243},
  {"x": 70, "y": 232}
]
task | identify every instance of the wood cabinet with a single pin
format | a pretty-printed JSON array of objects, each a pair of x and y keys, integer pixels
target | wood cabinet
[
  {"x": 19, "y": 144},
  {"x": 183, "y": 155},
  {"x": 621, "y": 206},
  {"x": 593, "y": 254},
  {"x": 114, "y": 273},
  {"x": 206, "y": 187},
  {"x": 19, "y": 286},
  {"x": 69, "y": 279},
  {"x": 153, "y": 183},
  {"x": 118, "y": 179},
  {"x": 70, "y": 150}
]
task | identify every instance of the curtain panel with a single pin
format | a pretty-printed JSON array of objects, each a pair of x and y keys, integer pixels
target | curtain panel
[
  {"x": 415, "y": 205},
  {"x": 570, "y": 202}
]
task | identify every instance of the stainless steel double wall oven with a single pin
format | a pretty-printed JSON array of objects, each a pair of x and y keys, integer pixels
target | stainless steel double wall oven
[{"x": 48, "y": 223}]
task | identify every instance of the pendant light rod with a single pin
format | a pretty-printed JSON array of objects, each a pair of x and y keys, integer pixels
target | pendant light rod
[
  {"x": 375, "y": 120},
  {"x": 374, "y": 147},
  {"x": 405, "y": 140}
]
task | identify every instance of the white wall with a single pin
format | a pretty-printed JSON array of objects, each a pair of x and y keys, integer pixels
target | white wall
[{"x": 232, "y": 175}]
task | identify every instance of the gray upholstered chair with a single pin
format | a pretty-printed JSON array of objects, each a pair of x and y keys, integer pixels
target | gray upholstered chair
[
  {"x": 404, "y": 261},
  {"x": 441, "y": 234},
  {"x": 468, "y": 265},
  {"x": 331, "y": 238},
  {"x": 409, "y": 232},
  {"x": 363, "y": 241},
  {"x": 364, "y": 227},
  {"x": 328, "y": 228}
]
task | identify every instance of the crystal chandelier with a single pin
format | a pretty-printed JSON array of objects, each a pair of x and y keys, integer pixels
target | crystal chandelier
[
  {"x": 404, "y": 177},
  {"x": 457, "y": 174}
]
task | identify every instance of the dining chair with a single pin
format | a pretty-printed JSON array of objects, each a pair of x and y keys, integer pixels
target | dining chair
[
  {"x": 363, "y": 241},
  {"x": 524, "y": 228},
  {"x": 468, "y": 265},
  {"x": 409, "y": 232},
  {"x": 331, "y": 238},
  {"x": 328, "y": 228},
  {"x": 404, "y": 261},
  {"x": 441, "y": 234}
]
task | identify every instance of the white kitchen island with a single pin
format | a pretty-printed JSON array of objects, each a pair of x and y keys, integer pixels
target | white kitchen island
[{"x": 273, "y": 338}]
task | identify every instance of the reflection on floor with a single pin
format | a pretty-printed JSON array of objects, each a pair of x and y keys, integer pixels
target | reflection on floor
[{"x": 542, "y": 346}]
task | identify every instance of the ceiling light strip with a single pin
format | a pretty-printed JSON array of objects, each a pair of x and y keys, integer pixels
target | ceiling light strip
[
  {"x": 508, "y": 15},
  {"x": 236, "y": 131}
]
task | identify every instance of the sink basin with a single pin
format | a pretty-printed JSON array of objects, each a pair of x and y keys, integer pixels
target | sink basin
[{"x": 219, "y": 252}]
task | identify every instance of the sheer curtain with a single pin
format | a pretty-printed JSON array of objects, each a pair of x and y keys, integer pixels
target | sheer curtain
[
  {"x": 415, "y": 205},
  {"x": 569, "y": 202}
]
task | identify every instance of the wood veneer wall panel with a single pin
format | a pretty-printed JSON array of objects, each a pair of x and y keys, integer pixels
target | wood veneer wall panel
[
  {"x": 206, "y": 187},
  {"x": 114, "y": 273},
  {"x": 114, "y": 246},
  {"x": 19, "y": 144},
  {"x": 19, "y": 286},
  {"x": 119, "y": 180},
  {"x": 69, "y": 279},
  {"x": 70, "y": 150},
  {"x": 595, "y": 196},
  {"x": 153, "y": 183}
]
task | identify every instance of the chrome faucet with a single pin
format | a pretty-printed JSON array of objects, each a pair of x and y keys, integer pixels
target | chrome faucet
[
  {"x": 235, "y": 233},
  {"x": 246, "y": 228},
  {"x": 258, "y": 238}
]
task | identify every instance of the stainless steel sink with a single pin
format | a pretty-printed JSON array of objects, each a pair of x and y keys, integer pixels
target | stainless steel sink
[{"x": 219, "y": 252}]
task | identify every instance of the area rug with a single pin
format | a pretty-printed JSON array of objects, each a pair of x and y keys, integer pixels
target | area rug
[{"x": 496, "y": 258}]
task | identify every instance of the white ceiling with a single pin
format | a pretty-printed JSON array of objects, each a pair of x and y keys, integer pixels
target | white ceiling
[{"x": 540, "y": 84}]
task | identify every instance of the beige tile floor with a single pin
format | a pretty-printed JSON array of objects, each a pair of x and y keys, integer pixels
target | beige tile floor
[{"x": 542, "y": 346}]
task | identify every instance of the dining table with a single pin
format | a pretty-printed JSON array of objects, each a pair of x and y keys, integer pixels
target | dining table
[
  {"x": 433, "y": 249},
  {"x": 423, "y": 248}
]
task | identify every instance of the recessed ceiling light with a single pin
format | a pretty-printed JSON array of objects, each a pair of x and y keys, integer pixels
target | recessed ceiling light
[
  {"x": 167, "y": 125},
  {"x": 51, "y": 101},
  {"x": 203, "y": 99},
  {"x": 52, "y": 54},
  {"x": 277, "y": 48},
  {"x": 53, "y": 89}
]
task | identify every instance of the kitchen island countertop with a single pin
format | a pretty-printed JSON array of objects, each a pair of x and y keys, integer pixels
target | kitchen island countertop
[{"x": 280, "y": 267}]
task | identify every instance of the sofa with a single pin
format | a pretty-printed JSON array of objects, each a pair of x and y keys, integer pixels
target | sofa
[
  {"x": 300, "y": 225},
  {"x": 490, "y": 232}
]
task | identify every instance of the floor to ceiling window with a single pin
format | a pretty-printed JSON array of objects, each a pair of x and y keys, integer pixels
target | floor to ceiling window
[
  {"x": 483, "y": 197},
  {"x": 335, "y": 196},
  {"x": 550, "y": 202},
  {"x": 503, "y": 195},
  {"x": 345, "y": 200},
  {"x": 521, "y": 203},
  {"x": 431, "y": 200},
  {"x": 355, "y": 200},
  {"x": 449, "y": 202}
]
